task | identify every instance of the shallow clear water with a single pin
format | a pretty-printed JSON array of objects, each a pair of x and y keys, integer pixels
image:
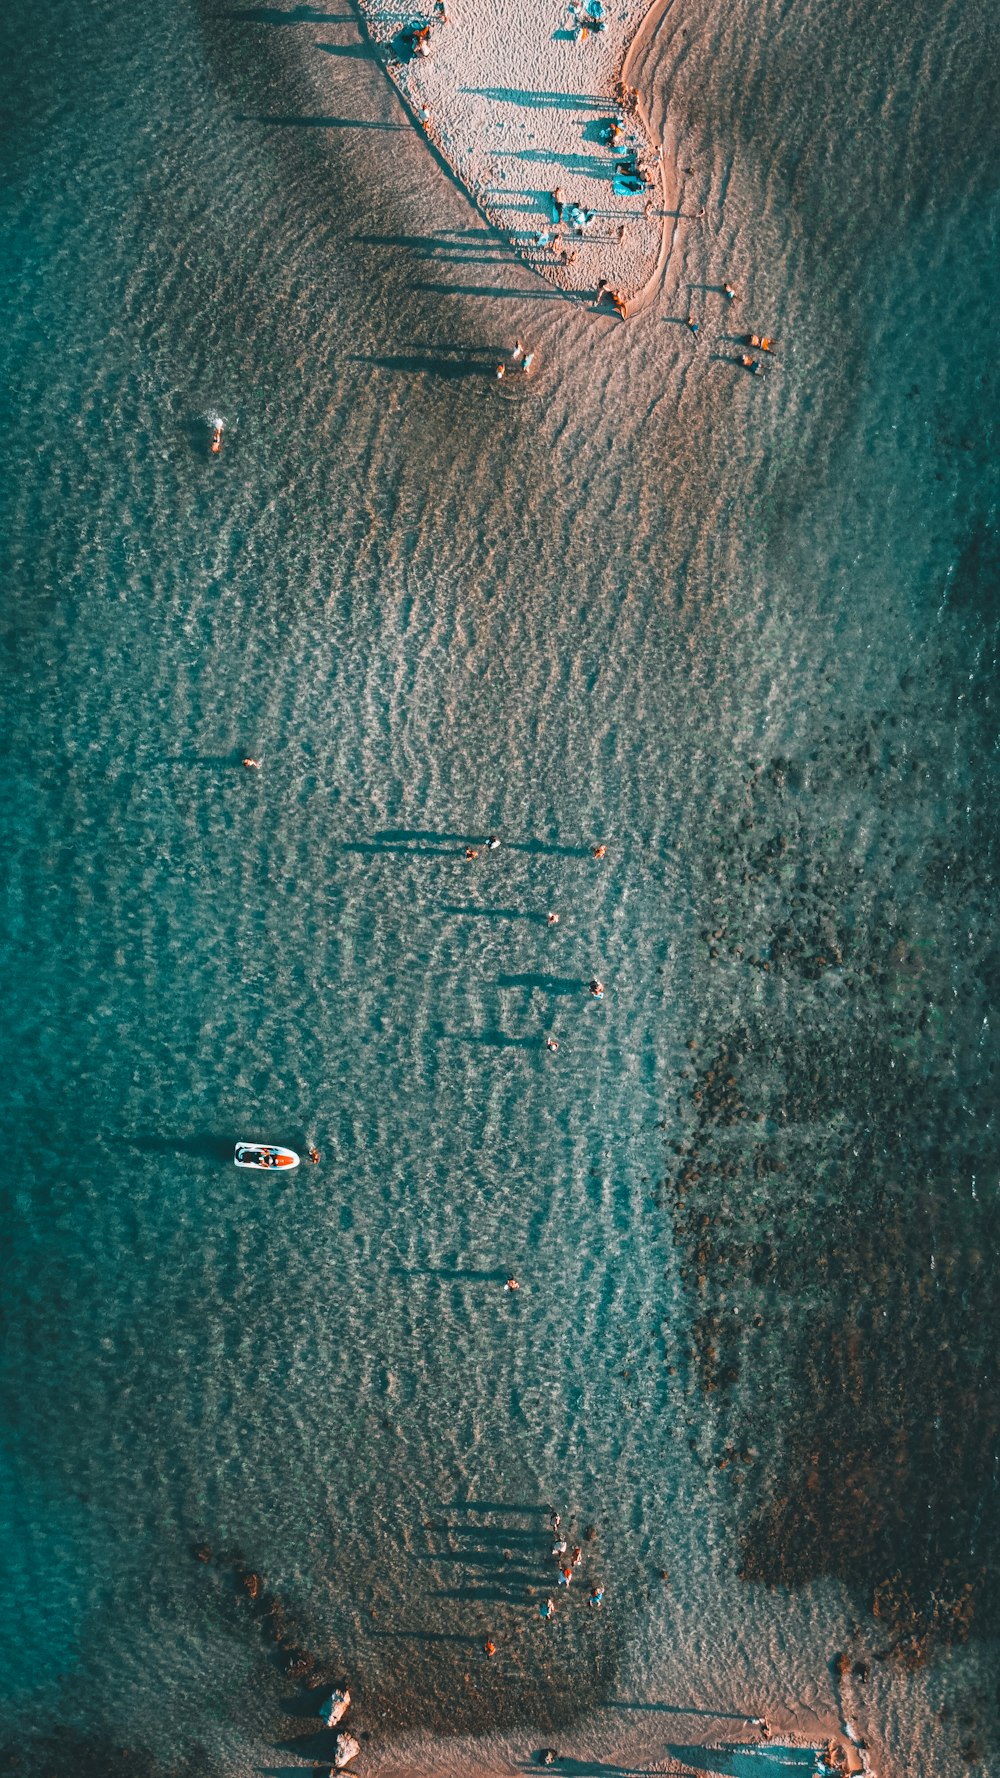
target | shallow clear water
[{"x": 742, "y": 633}]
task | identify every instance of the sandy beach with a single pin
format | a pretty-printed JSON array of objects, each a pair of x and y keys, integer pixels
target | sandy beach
[
  {"x": 535, "y": 115},
  {"x": 604, "y": 1748}
]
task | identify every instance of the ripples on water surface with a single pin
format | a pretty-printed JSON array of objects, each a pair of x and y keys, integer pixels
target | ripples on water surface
[{"x": 742, "y": 633}]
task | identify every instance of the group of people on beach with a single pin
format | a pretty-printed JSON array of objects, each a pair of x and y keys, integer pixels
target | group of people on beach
[
  {"x": 615, "y": 298},
  {"x": 586, "y": 19},
  {"x": 415, "y": 40}
]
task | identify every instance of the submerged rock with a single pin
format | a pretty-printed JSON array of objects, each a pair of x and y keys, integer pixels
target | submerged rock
[
  {"x": 335, "y": 1708},
  {"x": 345, "y": 1748}
]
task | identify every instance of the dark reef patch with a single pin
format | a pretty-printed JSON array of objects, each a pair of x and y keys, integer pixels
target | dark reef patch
[
  {"x": 58, "y": 1750},
  {"x": 833, "y": 1187}
]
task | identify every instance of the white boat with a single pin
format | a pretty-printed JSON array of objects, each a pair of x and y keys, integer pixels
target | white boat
[{"x": 263, "y": 1159}]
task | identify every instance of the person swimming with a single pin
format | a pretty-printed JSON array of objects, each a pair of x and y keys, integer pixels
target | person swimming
[
  {"x": 217, "y": 438},
  {"x": 597, "y": 989}
]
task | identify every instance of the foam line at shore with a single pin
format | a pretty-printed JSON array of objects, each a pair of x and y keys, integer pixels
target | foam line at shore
[{"x": 534, "y": 114}]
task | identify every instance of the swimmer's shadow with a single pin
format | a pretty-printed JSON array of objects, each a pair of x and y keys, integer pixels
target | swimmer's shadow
[
  {"x": 449, "y": 370},
  {"x": 199, "y": 759},
  {"x": 500, "y": 1536},
  {"x": 428, "y": 833},
  {"x": 374, "y": 847},
  {"x": 449, "y": 1274},
  {"x": 299, "y": 15},
  {"x": 496, "y": 1569},
  {"x": 549, "y": 847},
  {"x": 196, "y": 431},
  {"x": 532, "y": 1507},
  {"x": 514, "y": 1594},
  {"x": 546, "y": 984},
  {"x": 496, "y": 913}
]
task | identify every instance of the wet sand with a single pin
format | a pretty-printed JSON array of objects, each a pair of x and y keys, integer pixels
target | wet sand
[
  {"x": 658, "y": 1740},
  {"x": 536, "y": 115}
]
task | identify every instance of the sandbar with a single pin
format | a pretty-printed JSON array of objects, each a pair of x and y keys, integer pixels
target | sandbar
[{"x": 533, "y": 112}]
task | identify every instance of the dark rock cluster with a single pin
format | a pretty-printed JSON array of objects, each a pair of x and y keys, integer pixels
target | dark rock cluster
[{"x": 836, "y": 1110}]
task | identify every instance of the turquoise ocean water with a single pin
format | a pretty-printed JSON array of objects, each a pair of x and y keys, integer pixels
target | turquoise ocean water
[{"x": 741, "y": 631}]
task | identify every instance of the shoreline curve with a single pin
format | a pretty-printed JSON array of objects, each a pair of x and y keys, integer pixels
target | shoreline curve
[{"x": 537, "y": 123}]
